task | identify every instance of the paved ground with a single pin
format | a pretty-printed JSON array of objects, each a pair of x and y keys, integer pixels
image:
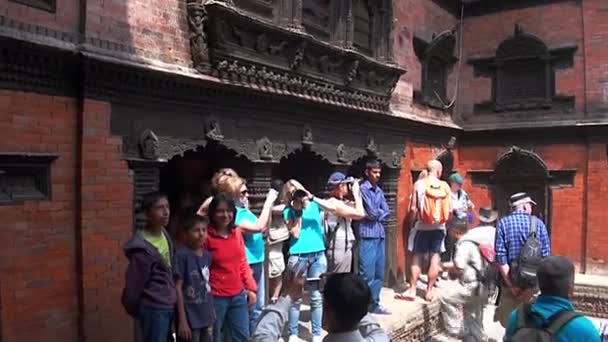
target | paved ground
[{"x": 400, "y": 311}]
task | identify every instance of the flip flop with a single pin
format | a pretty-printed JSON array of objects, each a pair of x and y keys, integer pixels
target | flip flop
[{"x": 404, "y": 297}]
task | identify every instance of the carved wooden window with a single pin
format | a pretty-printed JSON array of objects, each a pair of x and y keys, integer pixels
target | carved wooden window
[
  {"x": 25, "y": 177},
  {"x": 362, "y": 29},
  {"x": 316, "y": 18},
  {"x": 261, "y": 8},
  {"x": 436, "y": 54},
  {"x": 523, "y": 74},
  {"x": 47, "y": 5}
]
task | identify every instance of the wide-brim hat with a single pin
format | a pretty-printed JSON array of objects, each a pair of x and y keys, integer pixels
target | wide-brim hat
[
  {"x": 520, "y": 198},
  {"x": 487, "y": 215}
]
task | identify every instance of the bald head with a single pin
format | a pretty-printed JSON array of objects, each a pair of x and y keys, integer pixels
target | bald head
[{"x": 434, "y": 168}]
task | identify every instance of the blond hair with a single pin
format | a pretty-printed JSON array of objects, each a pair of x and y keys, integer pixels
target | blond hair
[
  {"x": 289, "y": 188},
  {"x": 220, "y": 176},
  {"x": 230, "y": 186}
]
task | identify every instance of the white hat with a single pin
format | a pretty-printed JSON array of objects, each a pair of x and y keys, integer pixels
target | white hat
[{"x": 520, "y": 198}]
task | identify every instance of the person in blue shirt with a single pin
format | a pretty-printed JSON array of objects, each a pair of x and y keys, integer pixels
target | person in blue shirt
[
  {"x": 556, "y": 282},
  {"x": 511, "y": 235},
  {"x": 371, "y": 233},
  {"x": 191, "y": 272}
]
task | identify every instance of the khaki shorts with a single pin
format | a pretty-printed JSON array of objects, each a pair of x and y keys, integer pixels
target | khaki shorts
[{"x": 276, "y": 261}]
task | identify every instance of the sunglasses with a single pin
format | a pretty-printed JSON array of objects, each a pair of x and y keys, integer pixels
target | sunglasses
[{"x": 245, "y": 192}]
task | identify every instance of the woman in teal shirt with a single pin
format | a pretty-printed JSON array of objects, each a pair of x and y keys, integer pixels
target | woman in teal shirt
[
  {"x": 252, "y": 228},
  {"x": 306, "y": 250}
]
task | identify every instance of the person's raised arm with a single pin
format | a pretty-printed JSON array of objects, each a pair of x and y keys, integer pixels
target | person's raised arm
[
  {"x": 342, "y": 209},
  {"x": 261, "y": 223}
]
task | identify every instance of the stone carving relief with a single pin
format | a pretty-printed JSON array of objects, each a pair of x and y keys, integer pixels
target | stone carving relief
[
  {"x": 297, "y": 56},
  {"x": 352, "y": 72},
  {"x": 213, "y": 131},
  {"x": 148, "y": 145},
  {"x": 265, "y": 148},
  {"x": 396, "y": 160}
]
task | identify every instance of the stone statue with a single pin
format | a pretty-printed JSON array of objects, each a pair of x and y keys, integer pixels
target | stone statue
[
  {"x": 341, "y": 153},
  {"x": 149, "y": 145},
  {"x": 371, "y": 146},
  {"x": 265, "y": 149},
  {"x": 213, "y": 130},
  {"x": 307, "y": 139}
]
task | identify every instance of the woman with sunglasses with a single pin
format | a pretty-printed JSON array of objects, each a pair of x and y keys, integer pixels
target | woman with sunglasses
[
  {"x": 219, "y": 177},
  {"x": 252, "y": 228}
]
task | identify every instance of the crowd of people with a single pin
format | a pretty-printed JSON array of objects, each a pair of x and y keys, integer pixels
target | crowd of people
[{"x": 205, "y": 281}]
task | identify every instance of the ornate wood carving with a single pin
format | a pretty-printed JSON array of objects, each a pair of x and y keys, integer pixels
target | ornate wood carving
[
  {"x": 316, "y": 19},
  {"x": 341, "y": 154},
  {"x": 213, "y": 130},
  {"x": 370, "y": 145},
  {"x": 390, "y": 182},
  {"x": 265, "y": 148},
  {"x": 197, "y": 22},
  {"x": 258, "y": 185},
  {"x": 146, "y": 178},
  {"x": 25, "y": 177},
  {"x": 523, "y": 75},
  {"x": 148, "y": 145},
  {"x": 307, "y": 138},
  {"x": 250, "y": 51},
  {"x": 436, "y": 54}
]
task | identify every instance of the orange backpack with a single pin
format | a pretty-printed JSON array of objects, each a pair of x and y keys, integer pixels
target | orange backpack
[{"x": 435, "y": 202}]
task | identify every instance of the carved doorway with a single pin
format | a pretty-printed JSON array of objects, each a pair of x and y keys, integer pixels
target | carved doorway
[
  {"x": 522, "y": 171},
  {"x": 186, "y": 178},
  {"x": 307, "y": 167}
]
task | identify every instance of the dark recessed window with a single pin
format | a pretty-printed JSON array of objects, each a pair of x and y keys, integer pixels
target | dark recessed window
[
  {"x": 436, "y": 55},
  {"x": 47, "y": 5},
  {"x": 25, "y": 177},
  {"x": 523, "y": 74}
]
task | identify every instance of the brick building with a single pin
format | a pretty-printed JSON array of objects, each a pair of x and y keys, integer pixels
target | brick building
[{"x": 102, "y": 100}]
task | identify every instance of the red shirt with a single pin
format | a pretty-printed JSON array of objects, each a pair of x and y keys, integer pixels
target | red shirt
[{"x": 230, "y": 272}]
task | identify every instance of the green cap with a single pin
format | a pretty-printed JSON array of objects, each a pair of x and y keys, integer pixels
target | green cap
[{"x": 456, "y": 178}]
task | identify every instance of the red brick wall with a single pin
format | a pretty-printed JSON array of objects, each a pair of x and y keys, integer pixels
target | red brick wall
[
  {"x": 597, "y": 215},
  {"x": 106, "y": 223},
  {"x": 38, "y": 286},
  {"x": 555, "y": 24},
  {"x": 411, "y": 17},
  {"x": 65, "y": 19},
  {"x": 156, "y": 29},
  {"x": 596, "y": 54}
]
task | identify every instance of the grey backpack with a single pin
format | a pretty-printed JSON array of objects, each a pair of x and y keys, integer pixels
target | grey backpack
[{"x": 546, "y": 332}]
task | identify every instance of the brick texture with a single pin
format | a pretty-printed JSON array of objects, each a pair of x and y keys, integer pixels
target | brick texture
[
  {"x": 596, "y": 54},
  {"x": 38, "y": 290},
  {"x": 106, "y": 223},
  {"x": 64, "y": 20},
  {"x": 555, "y": 24},
  {"x": 597, "y": 216},
  {"x": 411, "y": 17}
]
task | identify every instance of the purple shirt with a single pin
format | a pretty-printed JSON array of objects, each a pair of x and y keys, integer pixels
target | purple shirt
[{"x": 376, "y": 209}]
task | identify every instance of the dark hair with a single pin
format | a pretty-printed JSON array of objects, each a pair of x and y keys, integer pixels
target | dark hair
[
  {"x": 189, "y": 220},
  {"x": 555, "y": 276},
  {"x": 217, "y": 200},
  {"x": 150, "y": 199},
  {"x": 373, "y": 164},
  {"x": 349, "y": 298},
  {"x": 277, "y": 185}
]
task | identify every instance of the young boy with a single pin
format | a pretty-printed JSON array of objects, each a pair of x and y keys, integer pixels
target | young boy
[
  {"x": 149, "y": 294},
  {"x": 191, "y": 272}
]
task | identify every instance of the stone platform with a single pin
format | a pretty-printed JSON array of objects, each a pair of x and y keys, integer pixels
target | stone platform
[{"x": 419, "y": 321}]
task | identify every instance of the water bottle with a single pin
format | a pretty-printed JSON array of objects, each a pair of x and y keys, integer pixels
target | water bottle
[{"x": 470, "y": 217}]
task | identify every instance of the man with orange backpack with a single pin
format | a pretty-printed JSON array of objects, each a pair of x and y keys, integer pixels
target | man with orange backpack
[{"x": 431, "y": 204}]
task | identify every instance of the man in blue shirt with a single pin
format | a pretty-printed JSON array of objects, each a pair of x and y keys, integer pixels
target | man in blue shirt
[
  {"x": 511, "y": 235},
  {"x": 371, "y": 233},
  {"x": 556, "y": 282}
]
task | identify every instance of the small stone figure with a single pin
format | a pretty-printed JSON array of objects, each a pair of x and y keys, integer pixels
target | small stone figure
[
  {"x": 212, "y": 129},
  {"x": 197, "y": 19},
  {"x": 148, "y": 145}
]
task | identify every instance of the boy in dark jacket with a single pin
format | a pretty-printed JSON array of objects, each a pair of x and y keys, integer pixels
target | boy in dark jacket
[{"x": 149, "y": 294}]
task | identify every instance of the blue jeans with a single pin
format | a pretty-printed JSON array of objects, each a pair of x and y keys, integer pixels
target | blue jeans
[
  {"x": 155, "y": 324},
  {"x": 317, "y": 265},
  {"x": 255, "y": 311},
  {"x": 371, "y": 266},
  {"x": 232, "y": 318}
]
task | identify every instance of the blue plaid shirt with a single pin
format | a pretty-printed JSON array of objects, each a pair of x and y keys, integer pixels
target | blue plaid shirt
[
  {"x": 512, "y": 233},
  {"x": 376, "y": 209}
]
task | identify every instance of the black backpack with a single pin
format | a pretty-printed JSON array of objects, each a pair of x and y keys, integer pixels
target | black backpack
[
  {"x": 528, "y": 332},
  {"x": 523, "y": 269}
]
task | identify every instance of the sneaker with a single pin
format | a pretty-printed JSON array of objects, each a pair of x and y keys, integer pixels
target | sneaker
[
  {"x": 317, "y": 339},
  {"x": 381, "y": 310},
  {"x": 294, "y": 338}
]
